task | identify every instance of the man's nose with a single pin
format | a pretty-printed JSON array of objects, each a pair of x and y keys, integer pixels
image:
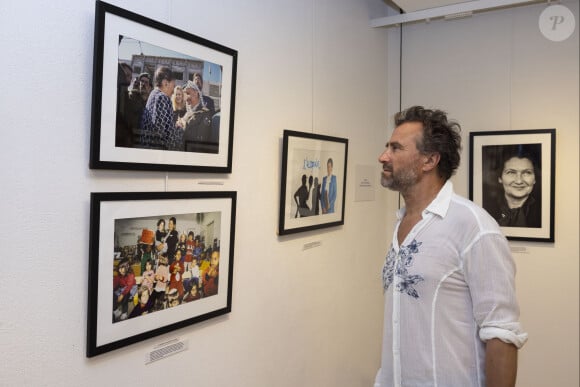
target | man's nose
[{"x": 384, "y": 157}]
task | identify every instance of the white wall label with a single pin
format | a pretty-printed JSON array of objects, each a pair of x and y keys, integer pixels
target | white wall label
[
  {"x": 165, "y": 349},
  {"x": 364, "y": 178}
]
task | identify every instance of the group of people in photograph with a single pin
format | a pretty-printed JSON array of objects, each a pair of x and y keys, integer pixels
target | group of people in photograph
[
  {"x": 316, "y": 198},
  {"x": 164, "y": 270},
  {"x": 157, "y": 113}
]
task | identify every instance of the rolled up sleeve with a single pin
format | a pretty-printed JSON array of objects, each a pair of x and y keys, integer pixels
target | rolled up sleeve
[{"x": 490, "y": 273}]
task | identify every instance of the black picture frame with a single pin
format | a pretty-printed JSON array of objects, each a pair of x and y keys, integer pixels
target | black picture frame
[
  {"x": 302, "y": 203},
  {"x": 124, "y": 242},
  {"x": 129, "y": 47},
  {"x": 529, "y": 178}
]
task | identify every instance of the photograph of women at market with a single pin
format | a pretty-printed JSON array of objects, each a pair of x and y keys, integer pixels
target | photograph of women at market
[{"x": 166, "y": 100}]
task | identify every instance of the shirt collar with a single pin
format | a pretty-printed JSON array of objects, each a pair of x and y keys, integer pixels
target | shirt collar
[{"x": 439, "y": 205}]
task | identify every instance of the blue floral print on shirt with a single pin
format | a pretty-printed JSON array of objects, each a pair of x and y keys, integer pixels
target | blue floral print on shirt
[{"x": 399, "y": 267}]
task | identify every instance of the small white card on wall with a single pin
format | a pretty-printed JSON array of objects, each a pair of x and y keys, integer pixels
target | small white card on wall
[
  {"x": 163, "y": 350},
  {"x": 365, "y": 181}
]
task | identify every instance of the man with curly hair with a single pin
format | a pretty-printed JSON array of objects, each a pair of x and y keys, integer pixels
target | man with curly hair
[{"x": 451, "y": 313}]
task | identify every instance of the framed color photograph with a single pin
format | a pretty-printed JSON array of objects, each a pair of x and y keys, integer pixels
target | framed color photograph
[
  {"x": 312, "y": 193},
  {"x": 158, "y": 261},
  {"x": 163, "y": 99},
  {"x": 512, "y": 176}
]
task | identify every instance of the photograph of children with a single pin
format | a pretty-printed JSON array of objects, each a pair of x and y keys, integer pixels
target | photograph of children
[
  {"x": 151, "y": 272},
  {"x": 166, "y": 100},
  {"x": 512, "y": 191}
]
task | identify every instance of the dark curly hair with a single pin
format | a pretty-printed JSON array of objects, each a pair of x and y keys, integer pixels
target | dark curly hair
[{"x": 439, "y": 136}]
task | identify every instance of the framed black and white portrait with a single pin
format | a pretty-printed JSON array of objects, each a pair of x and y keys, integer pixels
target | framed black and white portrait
[{"x": 512, "y": 176}]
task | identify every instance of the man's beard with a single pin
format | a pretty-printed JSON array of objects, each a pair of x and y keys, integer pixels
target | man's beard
[{"x": 399, "y": 180}]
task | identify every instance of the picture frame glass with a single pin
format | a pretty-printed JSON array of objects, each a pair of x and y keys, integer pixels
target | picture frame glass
[
  {"x": 128, "y": 110},
  {"x": 513, "y": 178},
  {"x": 313, "y": 181},
  {"x": 158, "y": 253}
]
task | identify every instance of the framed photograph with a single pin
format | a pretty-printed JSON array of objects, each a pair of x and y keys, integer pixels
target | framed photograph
[
  {"x": 312, "y": 194},
  {"x": 158, "y": 261},
  {"x": 163, "y": 99},
  {"x": 512, "y": 176}
]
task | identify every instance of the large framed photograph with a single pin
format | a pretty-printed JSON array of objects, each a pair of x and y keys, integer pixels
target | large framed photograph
[
  {"x": 158, "y": 261},
  {"x": 312, "y": 194},
  {"x": 163, "y": 98},
  {"x": 512, "y": 176}
]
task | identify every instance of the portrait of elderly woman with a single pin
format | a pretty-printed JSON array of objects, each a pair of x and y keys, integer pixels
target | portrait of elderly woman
[{"x": 512, "y": 184}]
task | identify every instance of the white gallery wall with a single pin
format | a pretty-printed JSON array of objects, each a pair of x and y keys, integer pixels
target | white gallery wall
[
  {"x": 300, "y": 317},
  {"x": 496, "y": 71}
]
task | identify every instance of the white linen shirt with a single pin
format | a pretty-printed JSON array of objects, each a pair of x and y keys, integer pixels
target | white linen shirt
[{"x": 448, "y": 288}]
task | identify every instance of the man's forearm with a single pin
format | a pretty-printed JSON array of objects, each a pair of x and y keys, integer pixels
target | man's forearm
[{"x": 501, "y": 363}]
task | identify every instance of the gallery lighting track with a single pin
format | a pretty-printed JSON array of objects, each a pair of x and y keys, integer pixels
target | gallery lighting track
[{"x": 452, "y": 11}]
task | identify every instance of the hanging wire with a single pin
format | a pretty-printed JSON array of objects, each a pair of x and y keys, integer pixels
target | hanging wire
[
  {"x": 400, "y": 79},
  {"x": 312, "y": 64}
]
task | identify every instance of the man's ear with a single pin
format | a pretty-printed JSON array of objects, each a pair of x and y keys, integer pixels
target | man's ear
[{"x": 430, "y": 161}]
